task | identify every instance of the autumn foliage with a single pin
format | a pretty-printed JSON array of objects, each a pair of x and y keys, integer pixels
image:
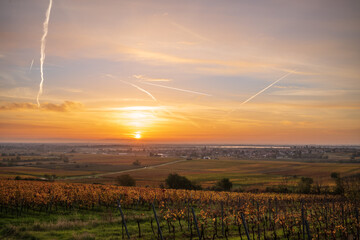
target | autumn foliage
[{"x": 218, "y": 213}]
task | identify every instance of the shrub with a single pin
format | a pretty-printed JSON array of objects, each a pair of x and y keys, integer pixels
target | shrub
[
  {"x": 126, "y": 180},
  {"x": 175, "y": 181},
  {"x": 224, "y": 184},
  {"x": 304, "y": 185},
  {"x": 136, "y": 163},
  {"x": 17, "y": 178}
]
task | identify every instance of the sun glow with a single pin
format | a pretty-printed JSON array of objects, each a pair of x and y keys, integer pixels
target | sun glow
[{"x": 137, "y": 135}]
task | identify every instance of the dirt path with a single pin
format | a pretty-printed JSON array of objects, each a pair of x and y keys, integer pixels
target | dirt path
[{"x": 123, "y": 171}]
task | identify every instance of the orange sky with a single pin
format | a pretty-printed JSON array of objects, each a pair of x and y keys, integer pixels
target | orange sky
[{"x": 189, "y": 72}]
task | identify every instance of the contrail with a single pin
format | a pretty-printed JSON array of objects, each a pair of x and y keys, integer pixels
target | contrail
[
  {"x": 287, "y": 74},
  {"x": 148, "y": 93},
  {"x": 42, "y": 51},
  {"x": 178, "y": 89},
  {"x": 31, "y": 65},
  {"x": 141, "y": 89},
  {"x": 135, "y": 86}
]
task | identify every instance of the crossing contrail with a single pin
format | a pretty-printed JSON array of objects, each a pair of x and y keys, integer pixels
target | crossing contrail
[
  {"x": 135, "y": 86},
  {"x": 148, "y": 93},
  {"x": 247, "y": 100},
  {"x": 31, "y": 65},
  {"x": 141, "y": 89},
  {"x": 178, "y": 89},
  {"x": 42, "y": 51}
]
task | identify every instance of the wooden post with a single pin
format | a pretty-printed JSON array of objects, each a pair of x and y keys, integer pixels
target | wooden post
[
  {"x": 222, "y": 218},
  {"x": 308, "y": 230},
  {"x": 123, "y": 220},
  {"x": 196, "y": 224},
  {"x": 303, "y": 219},
  {"x": 157, "y": 221},
  {"x": 245, "y": 226},
  {"x": 357, "y": 218}
]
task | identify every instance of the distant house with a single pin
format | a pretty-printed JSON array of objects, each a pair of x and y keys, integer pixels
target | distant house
[{"x": 157, "y": 155}]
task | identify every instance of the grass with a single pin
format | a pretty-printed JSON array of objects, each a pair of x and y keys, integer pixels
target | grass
[
  {"x": 102, "y": 224},
  {"x": 88, "y": 224},
  {"x": 70, "y": 225},
  {"x": 105, "y": 224}
]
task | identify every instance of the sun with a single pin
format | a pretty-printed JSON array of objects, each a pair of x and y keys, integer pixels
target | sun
[{"x": 137, "y": 135}]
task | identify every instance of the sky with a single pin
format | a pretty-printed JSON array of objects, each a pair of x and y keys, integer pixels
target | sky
[{"x": 205, "y": 71}]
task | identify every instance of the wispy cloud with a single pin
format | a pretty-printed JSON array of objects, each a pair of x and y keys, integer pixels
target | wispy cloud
[
  {"x": 139, "y": 108},
  {"x": 314, "y": 92},
  {"x": 66, "y": 106},
  {"x": 145, "y": 78},
  {"x": 188, "y": 31},
  {"x": 135, "y": 86},
  {"x": 31, "y": 65},
  {"x": 177, "y": 89}
]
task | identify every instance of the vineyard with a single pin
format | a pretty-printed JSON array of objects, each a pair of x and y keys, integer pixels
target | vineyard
[{"x": 148, "y": 213}]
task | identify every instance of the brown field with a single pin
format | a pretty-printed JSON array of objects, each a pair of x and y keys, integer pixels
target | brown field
[
  {"x": 248, "y": 174},
  {"x": 244, "y": 173},
  {"x": 38, "y": 172},
  {"x": 119, "y": 159},
  {"x": 80, "y": 165}
]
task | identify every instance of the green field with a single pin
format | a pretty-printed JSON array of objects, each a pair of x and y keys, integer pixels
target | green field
[{"x": 76, "y": 224}]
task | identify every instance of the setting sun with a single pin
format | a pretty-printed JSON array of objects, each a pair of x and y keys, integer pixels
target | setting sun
[{"x": 137, "y": 135}]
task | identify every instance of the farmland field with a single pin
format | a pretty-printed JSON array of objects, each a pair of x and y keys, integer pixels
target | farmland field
[
  {"x": 78, "y": 165},
  {"x": 243, "y": 173},
  {"x": 152, "y": 171}
]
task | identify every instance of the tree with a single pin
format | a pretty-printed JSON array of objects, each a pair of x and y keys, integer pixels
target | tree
[
  {"x": 351, "y": 187},
  {"x": 318, "y": 186},
  {"x": 224, "y": 184},
  {"x": 175, "y": 181},
  {"x": 339, "y": 188},
  {"x": 305, "y": 184},
  {"x": 126, "y": 180},
  {"x": 136, "y": 163},
  {"x": 49, "y": 177},
  {"x": 335, "y": 175}
]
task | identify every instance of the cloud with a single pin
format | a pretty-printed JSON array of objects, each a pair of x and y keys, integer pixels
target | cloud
[
  {"x": 66, "y": 106},
  {"x": 148, "y": 79},
  {"x": 314, "y": 92},
  {"x": 18, "y": 106},
  {"x": 135, "y": 86},
  {"x": 177, "y": 89},
  {"x": 186, "y": 43},
  {"x": 188, "y": 31}
]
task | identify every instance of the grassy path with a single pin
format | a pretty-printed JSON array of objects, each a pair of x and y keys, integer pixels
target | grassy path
[{"x": 123, "y": 171}]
